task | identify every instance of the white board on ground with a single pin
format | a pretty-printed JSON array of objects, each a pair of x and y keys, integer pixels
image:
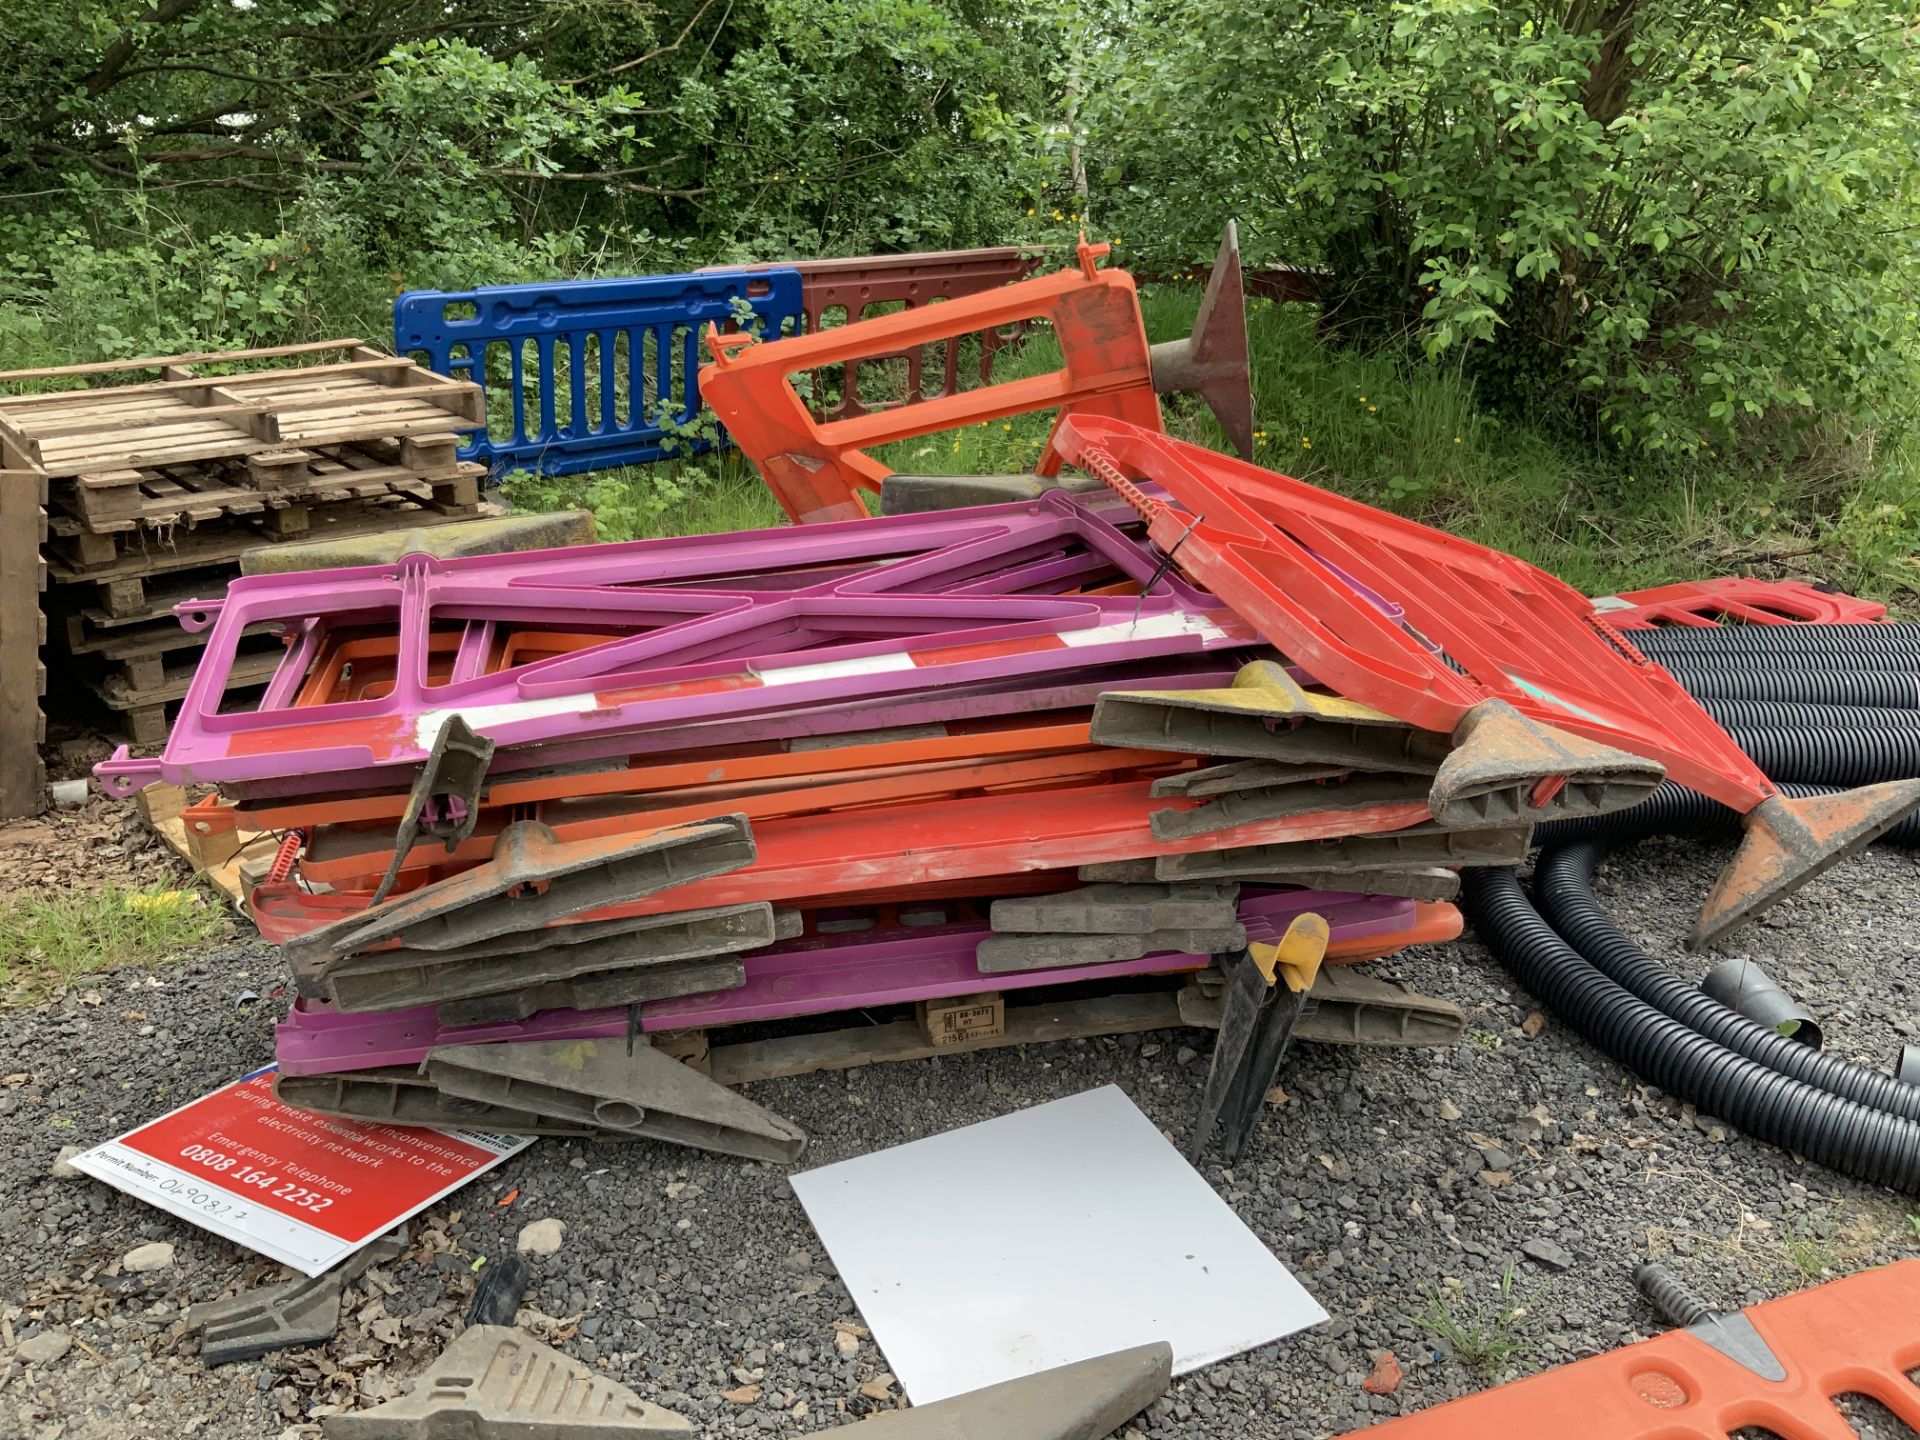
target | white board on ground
[
  {"x": 1047, "y": 1236},
  {"x": 304, "y": 1189}
]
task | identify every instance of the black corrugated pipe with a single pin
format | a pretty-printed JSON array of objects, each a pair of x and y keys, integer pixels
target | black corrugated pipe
[
  {"x": 1836, "y": 646},
  {"x": 1626, "y": 1003},
  {"x": 1563, "y": 889},
  {"x": 1886, "y": 688},
  {"x": 1673, "y": 809},
  {"x": 1833, "y": 757},
  {"x": 1855, "y": 1139},
  {"x": 1801, "y": 715}
]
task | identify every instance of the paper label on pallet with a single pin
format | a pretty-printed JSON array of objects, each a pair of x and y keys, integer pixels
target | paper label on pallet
[{"x": 304, "y": 1189}]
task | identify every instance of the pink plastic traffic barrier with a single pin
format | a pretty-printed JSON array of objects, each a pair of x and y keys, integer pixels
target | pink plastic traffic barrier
[
  {"x": 697, "y": 629},
  {"x": 804, "y": 977}
]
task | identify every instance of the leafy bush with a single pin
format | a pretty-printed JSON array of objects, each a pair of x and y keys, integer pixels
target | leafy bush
[{"x": 1672, "y": 220}]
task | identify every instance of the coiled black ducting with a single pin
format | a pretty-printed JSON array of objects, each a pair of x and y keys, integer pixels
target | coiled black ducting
[
  {"x": 1833, "y": 757},
  {"x": 1842, "y": 1134},
  {"x": 1799, "y": 715},
  {"x": 1887, "y": 689},
  {"x": 1571, "y": 955},
  {"x": 1834, "y": 645},
  {"x": 1673, "y": 809},
  {"x": 1563, "y": 890}
]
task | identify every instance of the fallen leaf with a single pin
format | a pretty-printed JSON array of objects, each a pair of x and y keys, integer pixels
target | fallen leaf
[
  {"x": 1494, "y": 1179},
  {"x": 1535, "y": 1022},
  {"x": 1448, "y": 1110},
  {"x": 744, "y": 1395}
]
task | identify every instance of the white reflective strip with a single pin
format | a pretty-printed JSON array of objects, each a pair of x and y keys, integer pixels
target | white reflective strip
[
  {"x": 837, "y": 669},
  {"x": 1149, "y": 627},
  {"x": 426, "y": 725}
]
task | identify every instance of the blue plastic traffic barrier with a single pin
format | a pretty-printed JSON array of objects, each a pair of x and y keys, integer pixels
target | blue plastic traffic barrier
[{"x": 579, "y": 373}]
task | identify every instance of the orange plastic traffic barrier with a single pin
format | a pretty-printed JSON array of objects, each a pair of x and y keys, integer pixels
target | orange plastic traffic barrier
[
  {"x": 893, "y": 849},
  {"x": 741, "y": 767},
  {"x": 817, "y": 470},
  {"x": 342, "y": 856},
  {"x": 1735, "y": 600},
  {"x": 1860, "y": 1335}
]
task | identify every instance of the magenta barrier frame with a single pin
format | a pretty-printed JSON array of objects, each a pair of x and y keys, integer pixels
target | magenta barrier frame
[
  {"x": 803, "y": 977},
  {"x": 733, "y": 626}
]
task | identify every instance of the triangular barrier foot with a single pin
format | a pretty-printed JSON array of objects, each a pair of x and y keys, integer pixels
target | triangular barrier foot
[{"x": 1789, "y": 841}]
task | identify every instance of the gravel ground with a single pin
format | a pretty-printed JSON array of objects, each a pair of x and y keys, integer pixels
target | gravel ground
[{"x": 1427, "y": 1199}]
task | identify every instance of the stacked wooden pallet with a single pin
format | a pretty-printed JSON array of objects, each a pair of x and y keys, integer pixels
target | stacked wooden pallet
[{"x": 153, "y": 487}]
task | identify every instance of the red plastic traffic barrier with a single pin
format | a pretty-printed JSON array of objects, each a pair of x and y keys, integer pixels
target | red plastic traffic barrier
[
  {"x": 1707, "y": 604},
  {"x": 1305, "y": 567},
  {"x": 895, "y": 849},
  {"x": 817, "y": 470},
  {"x": 1290, "y": 558},
  {"x": 857, "y": 284},
  {"x": 1860, "y": 1335}
]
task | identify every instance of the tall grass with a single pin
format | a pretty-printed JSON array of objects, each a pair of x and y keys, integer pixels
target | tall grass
[{"x": 52, "y": 938}]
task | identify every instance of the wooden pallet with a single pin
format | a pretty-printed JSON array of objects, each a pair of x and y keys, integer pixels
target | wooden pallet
[
  {"x": 90, "y": 545},
  {"x": 109, "y": 501},
  {"x": 144, "y": 601},
  {"x": 197, "y": 549},
  {"x": 150, "y": 639},
  {"x": 137, "y": 676},
  {"x": 217, "y": 860},
  {"x": 1071, "y": 1013},
  {"x": 23, "y": 679},
  {"x": 185, "y": 416},
  {"x": 76, "y": 633},
  {"x": 143, "y": 712},
  {"x": 317, "y": 468}
]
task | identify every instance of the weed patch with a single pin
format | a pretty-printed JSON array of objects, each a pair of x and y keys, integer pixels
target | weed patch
[
  {"x": 50, "y": 940},
  {"x": 1486, "y": 1338}
]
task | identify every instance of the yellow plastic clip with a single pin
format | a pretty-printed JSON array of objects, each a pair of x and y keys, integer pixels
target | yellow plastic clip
[
  {"x": 1296, "y": 956},
  {"x": 1265, "y": 690}
]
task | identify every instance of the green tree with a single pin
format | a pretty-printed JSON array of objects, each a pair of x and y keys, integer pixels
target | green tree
[
  {"x": 1673, "y": 219},
  {"x": 183, "y": 171}
]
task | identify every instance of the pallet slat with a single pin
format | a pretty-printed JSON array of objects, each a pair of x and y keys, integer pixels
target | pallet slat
[
  {"x": 192, "y": 549},
  {"x": 186, "y": 417}
]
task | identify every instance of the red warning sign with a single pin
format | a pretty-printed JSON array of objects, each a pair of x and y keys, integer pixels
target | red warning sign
[{"x": 306, "y": 1189}]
